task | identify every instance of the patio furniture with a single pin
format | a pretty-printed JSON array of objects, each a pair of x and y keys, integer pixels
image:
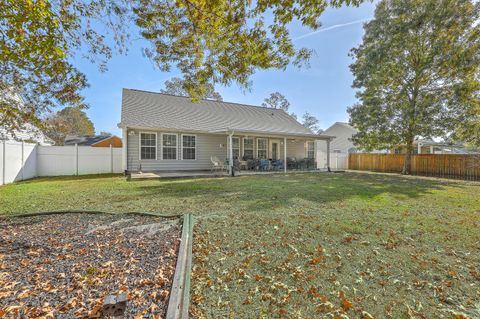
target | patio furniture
[
  {"x": 264, "y": 165},
  {"x": 292, "y": 163},
  {"x": 217, "y": 165},
  {"x": 243, "y": 165},
  {"x": 278, "y": 165}
]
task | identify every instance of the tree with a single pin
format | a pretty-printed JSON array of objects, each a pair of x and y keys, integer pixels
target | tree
[
  {"x": 177, "y": 86},
  {"x": 310, "y": 122},
  {"x": 38, "y": 40},
  {"x": 277, "y": 101},
  {"x": 225, "y": 41},
  {"x": 69, "y": 121},
  {"x": 415, "y": 72}
]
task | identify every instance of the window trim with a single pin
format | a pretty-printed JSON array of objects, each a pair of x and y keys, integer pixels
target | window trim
[
  {"x": 162, "y": 146},
  {"x": 181, "y": 149},
  {"x": 243, "y": 146},
  {"x": 266, "y": 147},
  {"x": 140, "y": 146},
  {"x": 306, "y": 149},
  {"x": 239, "y": 146}
]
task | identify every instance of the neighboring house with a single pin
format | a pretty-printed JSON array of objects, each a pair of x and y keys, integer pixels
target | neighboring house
[
  {"x": 29, "y": 133},
  {"x": 94, "y": 141},
  {"x": 164, "y": 132},
  {"x": 428, "y": 146},
  {"x": 339, "y": 147}
]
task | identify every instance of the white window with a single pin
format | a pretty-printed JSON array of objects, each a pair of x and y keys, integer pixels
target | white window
[
  {"x": 310, "y": 149},
  {"x": 148, "y": 146},
  {"x": 248, "y": 148},
  {"x": 169, "y": 146},
  {"x": 262, "y": 146},
  {"x": 236, "y": 147},
  {"x": 189, "y": 147}
]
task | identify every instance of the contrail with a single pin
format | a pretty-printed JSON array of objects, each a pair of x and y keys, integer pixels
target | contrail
[{"x": 335, "y": 26}]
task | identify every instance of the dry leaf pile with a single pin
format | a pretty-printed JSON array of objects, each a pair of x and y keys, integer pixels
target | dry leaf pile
[{"x": 63, "y": 266}]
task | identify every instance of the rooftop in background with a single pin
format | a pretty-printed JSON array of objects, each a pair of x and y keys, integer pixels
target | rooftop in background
[
  {"x": 152, "y": 110},
  {"x": 92, "y": 140}
]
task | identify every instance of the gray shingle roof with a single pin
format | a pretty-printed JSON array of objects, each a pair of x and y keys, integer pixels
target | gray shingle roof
[
  {"x": 163, "y": 111},
  {"x": 85, "y": 140}
]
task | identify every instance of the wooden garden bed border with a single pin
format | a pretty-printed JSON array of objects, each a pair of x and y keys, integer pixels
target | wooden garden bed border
[{"x": 179, "y": 301}]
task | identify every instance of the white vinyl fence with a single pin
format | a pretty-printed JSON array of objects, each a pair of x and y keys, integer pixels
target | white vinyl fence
[
  {"x": 338, "y": 161},
  {"x": 20, "y": 161}
]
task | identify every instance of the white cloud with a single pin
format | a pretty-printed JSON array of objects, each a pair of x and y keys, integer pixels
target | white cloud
[{"x": 335, "y": 26}]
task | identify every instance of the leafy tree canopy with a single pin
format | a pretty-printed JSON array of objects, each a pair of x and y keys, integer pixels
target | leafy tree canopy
[
  {"x": 208, "y": 41},
  {"x": 38, "y": 40},
  {"x": 69, "y": 121},
  {"x": 310, "y": 122},
  {"x": 416, "y": 72},
  {"x": 177, "y": 86},
  {"x": 277, "y": 100}
]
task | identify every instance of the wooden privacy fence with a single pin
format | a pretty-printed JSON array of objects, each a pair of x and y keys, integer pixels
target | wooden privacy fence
[{"x": 463, "y": 166}]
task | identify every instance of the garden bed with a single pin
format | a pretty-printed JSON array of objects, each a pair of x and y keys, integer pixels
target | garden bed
[{"x": 65, "y": 265}]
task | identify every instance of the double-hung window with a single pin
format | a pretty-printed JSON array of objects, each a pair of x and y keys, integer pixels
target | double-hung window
[
  {"x": 236, "y": 147},
  {"x": 148, "y": 146},
  {"x": 310, "y": 149},
  {"x": 262, "y": 146},
  {"x": 248, "y": 148},
  {"x": 169, "y": 146},
  {"x": 189, "y": 147}
]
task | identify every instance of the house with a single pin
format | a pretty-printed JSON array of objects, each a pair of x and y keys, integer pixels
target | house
[
  {"x": 164, "y": 132},
  {"x": 29, "y": 133},
  {"x": 429, "y": 146},
  {"x": 340, "y": 147},
  {"x": 94, "y": 141}
]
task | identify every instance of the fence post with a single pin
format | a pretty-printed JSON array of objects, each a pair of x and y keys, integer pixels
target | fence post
[
  {"x": 76, "y": 158},
  {"x": 4, "y": 162},
  {"x": 111, "y": 159},
  {"x": 23, "y": 160}
]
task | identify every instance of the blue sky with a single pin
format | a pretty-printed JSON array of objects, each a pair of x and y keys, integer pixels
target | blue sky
[{"x": 323, "y": 90}]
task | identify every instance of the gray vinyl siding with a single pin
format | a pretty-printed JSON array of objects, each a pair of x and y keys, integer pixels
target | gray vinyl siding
[{"x": 207, "y": 145}]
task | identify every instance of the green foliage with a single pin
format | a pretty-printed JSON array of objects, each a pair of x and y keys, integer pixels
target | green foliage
[
  {"x": 69, "y": 121},
  {"x": 277, "y": 100},
  {"x": 38, "y": 40},
  {"x": 310, "y": 122},
  {"x": 225, "y": 41},
  {"x": 177, "y": 86},
  {"x": 416, "y": 72}
]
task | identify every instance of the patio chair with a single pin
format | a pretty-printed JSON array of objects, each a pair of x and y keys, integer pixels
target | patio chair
[
  {"x": 264, "y": 165},
  {"x": 278, "y": 165},
  {"x": 217, "y": 165}
]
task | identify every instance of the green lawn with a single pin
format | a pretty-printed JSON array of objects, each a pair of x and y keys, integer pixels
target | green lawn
[{"x": 304, "y": 245}]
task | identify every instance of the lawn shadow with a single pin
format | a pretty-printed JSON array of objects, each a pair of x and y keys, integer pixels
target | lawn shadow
[{"x": 262, "y": 192}]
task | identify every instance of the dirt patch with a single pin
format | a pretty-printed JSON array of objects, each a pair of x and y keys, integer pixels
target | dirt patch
[{"x": 63, "y": 266}]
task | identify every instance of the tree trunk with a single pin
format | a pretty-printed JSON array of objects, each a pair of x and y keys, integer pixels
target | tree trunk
[{"x": 407, "y": 164}]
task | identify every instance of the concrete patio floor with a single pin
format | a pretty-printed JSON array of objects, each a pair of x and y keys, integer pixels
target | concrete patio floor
[{"x": 185, "y": 174}]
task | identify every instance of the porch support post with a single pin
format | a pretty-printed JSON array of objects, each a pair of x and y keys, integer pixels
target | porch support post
[
  {"x": 284, "y": 154},
  {"x": 230, "y": 154},
  {"x": 419, "y": 148},
  {"x": 431, "y": 149},
  {"x": 328, "y": 155}
]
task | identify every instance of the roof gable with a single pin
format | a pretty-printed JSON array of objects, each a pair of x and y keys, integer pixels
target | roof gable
[{"x": 163, "y": 111}]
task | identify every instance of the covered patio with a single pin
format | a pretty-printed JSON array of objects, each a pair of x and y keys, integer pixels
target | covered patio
[{"x": 252, "y": 151}]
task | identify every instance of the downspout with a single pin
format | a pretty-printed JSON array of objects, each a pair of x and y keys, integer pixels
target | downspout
[{"x": 231, "y": 169}]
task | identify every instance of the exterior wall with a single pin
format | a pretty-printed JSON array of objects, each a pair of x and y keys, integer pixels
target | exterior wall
[
  {"x": 114, "y": 141},
  {"x": 207, "y": 145},
  {"x": 341, "y": 142}
]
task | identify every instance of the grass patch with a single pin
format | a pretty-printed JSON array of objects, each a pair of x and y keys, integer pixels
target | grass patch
[{"x": 304, "y": 245}]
